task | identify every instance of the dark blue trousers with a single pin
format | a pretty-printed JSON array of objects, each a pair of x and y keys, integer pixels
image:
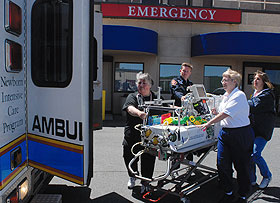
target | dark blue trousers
[{"x": 235, "y": 146}]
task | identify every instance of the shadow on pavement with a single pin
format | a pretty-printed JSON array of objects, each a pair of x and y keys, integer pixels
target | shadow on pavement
[
  {"x": 156, "y": 196},
  {"x": 117, "y": 121},
  {"x": 111, "y": 197},
  {"x": 210, "y": 193},
  {"x": 272, "y": 194},
  {"x": 277, "y": 122},
  {"x": 69, "y": 194},
  {"x": 72, "y": 194}
]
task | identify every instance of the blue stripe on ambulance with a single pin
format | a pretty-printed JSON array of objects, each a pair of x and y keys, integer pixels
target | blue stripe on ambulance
[
  {"x": 56, "y": 157},
  {"x": 6, "y": 173}
]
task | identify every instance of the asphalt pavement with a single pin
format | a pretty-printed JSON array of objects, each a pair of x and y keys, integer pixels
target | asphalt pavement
[{"x": 109, "y": 183}]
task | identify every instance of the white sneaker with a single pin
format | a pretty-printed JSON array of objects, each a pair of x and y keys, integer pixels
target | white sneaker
[
  {"x": 265, "y": 182},
  {"x": 131, "y": 182}
]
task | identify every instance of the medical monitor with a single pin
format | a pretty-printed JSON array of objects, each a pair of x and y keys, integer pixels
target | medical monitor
[
  {"x": 201, "y": 91},
  {"x": 198, "y": 91}
]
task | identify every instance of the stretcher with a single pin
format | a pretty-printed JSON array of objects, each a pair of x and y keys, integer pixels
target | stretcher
[{"x": 172, "y": 138}]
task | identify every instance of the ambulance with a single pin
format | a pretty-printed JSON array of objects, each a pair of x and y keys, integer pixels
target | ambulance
[{"x": 50, "y": 87}]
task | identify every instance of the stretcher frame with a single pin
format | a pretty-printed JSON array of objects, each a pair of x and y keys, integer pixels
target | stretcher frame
[
  {"x": 179, "y": 185},
  {"x": 175, "y": 181}
]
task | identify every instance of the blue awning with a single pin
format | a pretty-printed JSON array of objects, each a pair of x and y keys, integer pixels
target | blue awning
[
  {"x": 236, "y": 43},
  {"x": 128, "y": 38}
]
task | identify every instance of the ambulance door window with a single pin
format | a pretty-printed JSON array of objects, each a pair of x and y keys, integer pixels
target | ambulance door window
[
  {"x": 13, "y": 53},
  {"x": 13, "y": 25},
  {"x": 51, "y": 43},
  {"x": 13, "y": 18}
]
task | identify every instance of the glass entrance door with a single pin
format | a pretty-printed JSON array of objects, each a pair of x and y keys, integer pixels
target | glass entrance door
[
  {"x": 273, "y": 72},
  {"x": 274, "y": 76}
]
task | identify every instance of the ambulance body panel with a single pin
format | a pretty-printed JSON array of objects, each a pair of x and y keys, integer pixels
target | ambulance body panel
[{"x": 48, "y": 54}]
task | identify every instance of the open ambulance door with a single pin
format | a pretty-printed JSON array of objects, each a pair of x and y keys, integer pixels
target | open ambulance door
[
  {"x": 13, "y": 149},
  {"x": 60, "y": 62}
]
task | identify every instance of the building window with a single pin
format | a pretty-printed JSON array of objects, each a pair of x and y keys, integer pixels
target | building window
[
  {"x": 151, "y": 2},
  {"x": 147, "y": 2},
  {"x": 274, "y": 76},
  {"x": 256, "y": 5},
  {"x": 178, "y": 2},
  {"x": 167, "y": 73},
  {"x": 207, "y": 3},
  {"x": 212, "y": 78},
  {"x": 51, "y": 43},
  {"x": 125, "y": 76}
]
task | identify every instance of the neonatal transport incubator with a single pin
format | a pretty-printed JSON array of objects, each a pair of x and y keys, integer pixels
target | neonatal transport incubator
[{"x": 175, "y": 133}]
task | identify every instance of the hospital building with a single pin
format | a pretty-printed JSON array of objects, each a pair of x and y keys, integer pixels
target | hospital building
[{"x": 157, "y": 36}]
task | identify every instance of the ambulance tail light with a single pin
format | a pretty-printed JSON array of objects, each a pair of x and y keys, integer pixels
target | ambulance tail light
[
  {"x": 19, "y": 193},
  {"x": 13, "y": 18},
  {"x": 23, "y": 190},
  {"x": 13, "y": 56}
]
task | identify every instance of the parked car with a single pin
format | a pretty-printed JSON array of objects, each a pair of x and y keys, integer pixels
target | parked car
[{"x": 219, "y": 91}]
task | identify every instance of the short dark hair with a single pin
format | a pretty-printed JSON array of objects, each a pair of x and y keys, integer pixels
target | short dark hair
[{"x": 186, "y": 65}]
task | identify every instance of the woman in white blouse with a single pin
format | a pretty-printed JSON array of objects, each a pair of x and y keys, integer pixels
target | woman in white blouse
[{"x": 236, "y": 138}]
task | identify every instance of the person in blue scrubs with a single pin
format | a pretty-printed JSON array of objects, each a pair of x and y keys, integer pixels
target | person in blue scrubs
[
  {"x": 235, "y": 140},
  {"x": 262, "y": 116}
]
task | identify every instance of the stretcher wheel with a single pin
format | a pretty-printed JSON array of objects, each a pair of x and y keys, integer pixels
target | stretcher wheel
[{"x": 185, "y": 200}]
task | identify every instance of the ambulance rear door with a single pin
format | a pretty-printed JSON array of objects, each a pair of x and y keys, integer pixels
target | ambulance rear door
[
  {"x": 59, "y": 87},
  {"x": 13, "y": 159}
]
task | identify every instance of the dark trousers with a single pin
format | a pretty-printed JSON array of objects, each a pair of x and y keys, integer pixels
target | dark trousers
[
  {"x": 147, "y": 162},
  {"x": 235, "y": 146}
]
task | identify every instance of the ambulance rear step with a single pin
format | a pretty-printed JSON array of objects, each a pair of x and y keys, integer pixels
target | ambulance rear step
[{"x": 47, "y": 198}]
